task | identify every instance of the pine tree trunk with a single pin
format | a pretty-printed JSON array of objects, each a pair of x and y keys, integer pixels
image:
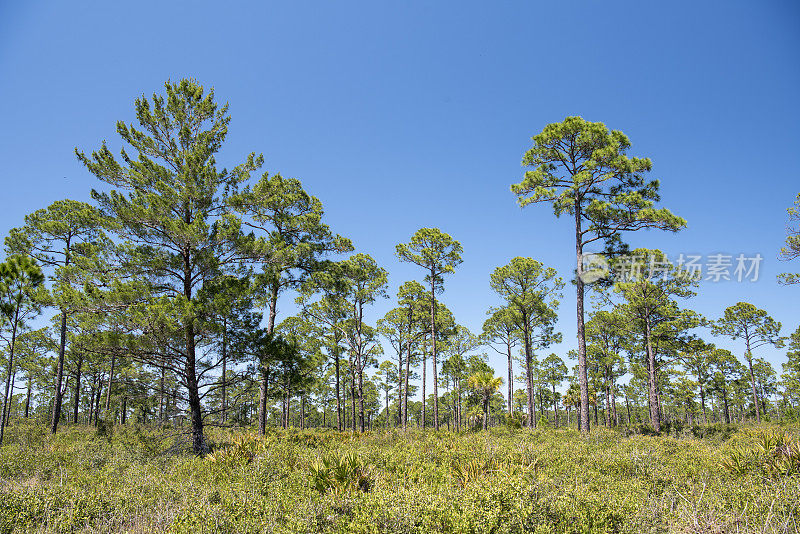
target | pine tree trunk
[
  {"x": 655, "y": 418},
  {"x": 59, "y": 375},
  {"x": 703, "y": 404},
  {"x": 408, "y": 373},
  {"x": 434, "y": 353},
  {"x": 360, "y": 393},
  {"x": 98, "y": 399},
  {"x": 399, "y": 388},
  {"x": 198, "y": 439},
  {"x": 28, "y": 396},
  {"x": 262, "y": 401},
  {"x": 424, "y": 380},
  {"x": 110, "y": 380},
  {"x": 160, "y": 396},
  {"x": 11, "y": 395},
  {"x": 583, "y": 380},
  {"x": 224, "y": 407},
  {"x": 360, "y": 367},
  {"x": 555, "y": 405},
  {"x": 92, "y": 400},
  {"x": 614, "y": 405},
  {"x": 337, "y": 362},
  {"x": 3, "y": 417},
  {"x": 529, "y": 372},
  {"x": 510, "y": 382},
  {"x": 77, "y": 390},
  {"x": 628, "y": 406},
  {"x": 353, "y": 422},
  {"x": 725, "y": 404},
  {"x": 749, "y": 358}
]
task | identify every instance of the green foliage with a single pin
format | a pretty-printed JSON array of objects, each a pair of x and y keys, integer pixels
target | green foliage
[
  {"x": 771, "y": 453},
  {"x": 341, "y": 474},
  {"x": 243, "y": 450},
  {"x": 580, "y": 163},
  {"x": 501, "y": 481},
  {"x": 791, "y": 250}
]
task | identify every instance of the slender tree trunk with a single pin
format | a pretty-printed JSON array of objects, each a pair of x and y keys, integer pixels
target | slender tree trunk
[
  {"x": 399, "y": 387},
  {"x": 353, "y": 395},
  {"x": 655, "y": 418},
  {"x": 555, "y": 405},
  {"x": 628, "y": 406},
  {"x": 703, "y": 404},
  {"x": 408, "y": 373},
  {"x": 91, "y": 400},
  {"x": 583, "y": 380},
  {"x": 98, "y": 399},
  {"x": 28, "y": 396},
  {"x": 160, "y": 395},
  {"x": 224, "y": 368},
  {"x": 749, "y": 358},
  {"x": 424, "y": 380},
  {"x": 510, "y": 381},
  {"x": 110, "y": 380},
  {"x": 262, "y": 401},
  {"x": 360, "y": 393},
  {"x": 10, "y": 396},
  {"x": 123, "y": 410},
  {"x": 77, "y": 390},
  {"x": 360, "y": 365},
  {"x": 614, "y": 404},
  {"x": 688, "y": 414},
  {"x": 529, "y": 372},
  {"x": 3, "y": 417},
  {"x": 59, "y": 374},
  {"x": 198, "y": 439},
  {"x": 725, "y": 404},
  {"x": 434, "y": 352},
  {"x": 337, "y": 363}
]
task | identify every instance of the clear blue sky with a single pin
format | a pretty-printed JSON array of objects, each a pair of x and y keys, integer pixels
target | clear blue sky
[{"x": 409, "y": 114}]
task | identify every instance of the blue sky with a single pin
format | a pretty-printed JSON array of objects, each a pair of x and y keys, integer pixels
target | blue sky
[{"x": 410, "y": 114}]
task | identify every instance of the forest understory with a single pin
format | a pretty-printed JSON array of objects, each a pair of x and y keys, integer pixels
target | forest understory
[{"x": 126, "y": 478}]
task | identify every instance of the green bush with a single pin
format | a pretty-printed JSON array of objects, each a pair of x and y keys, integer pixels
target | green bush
[{"x": 502, "y": 481}]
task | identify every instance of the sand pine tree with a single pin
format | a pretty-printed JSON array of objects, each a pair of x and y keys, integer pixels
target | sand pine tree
[
  {"x": 20, "y": 300},
  {"x": 582, "y": 170},
  {"x": 170, "y": 202},
  {"x": 439, "y": 254},
  {"x": 756, "y": 328}
]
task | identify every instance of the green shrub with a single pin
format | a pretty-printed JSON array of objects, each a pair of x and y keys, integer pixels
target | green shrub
[{"x": 502, "y": 481}]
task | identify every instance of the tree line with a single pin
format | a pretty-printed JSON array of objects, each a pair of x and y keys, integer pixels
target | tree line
[{"x": 165, "y": 296}]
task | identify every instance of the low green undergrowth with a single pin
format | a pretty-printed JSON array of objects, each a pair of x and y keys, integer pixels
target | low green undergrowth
[{"x": 505, "y": 480}]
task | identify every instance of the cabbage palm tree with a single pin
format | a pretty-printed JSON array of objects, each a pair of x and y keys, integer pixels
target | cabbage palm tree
[{"x": 485, "y": 383}]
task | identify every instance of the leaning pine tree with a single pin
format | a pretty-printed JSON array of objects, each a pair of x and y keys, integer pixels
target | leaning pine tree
[
  {"x": 170, "y": 202},
  {"x": 580, "y": 168}
]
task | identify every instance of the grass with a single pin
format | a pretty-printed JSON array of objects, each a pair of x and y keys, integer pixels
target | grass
[{"x": 129, "y": 479}]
